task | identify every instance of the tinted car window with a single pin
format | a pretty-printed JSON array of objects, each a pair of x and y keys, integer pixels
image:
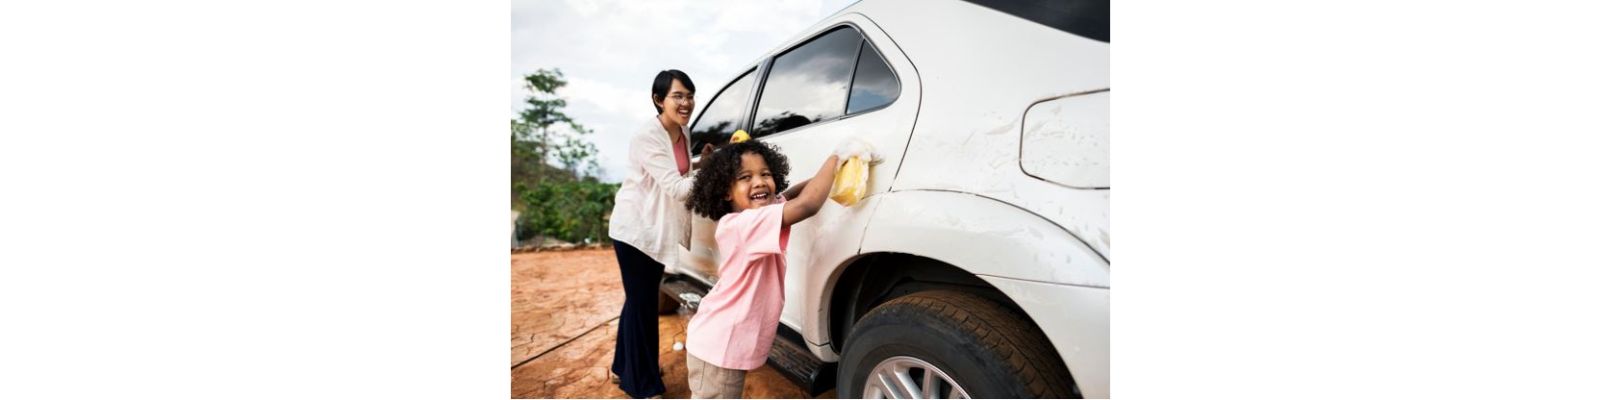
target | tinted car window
[
  {"x": 725, "y": 114},
  {"x": 1087, "y": 18},
  {"x": 809, "y": 83},
  {"x": 875, "y": 84}
]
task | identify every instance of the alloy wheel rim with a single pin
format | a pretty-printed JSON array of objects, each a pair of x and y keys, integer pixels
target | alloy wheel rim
[{"x": 903, "y": 377}]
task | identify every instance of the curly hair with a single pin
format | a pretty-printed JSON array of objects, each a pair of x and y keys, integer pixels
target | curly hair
[{"x": 711, "y": 188}]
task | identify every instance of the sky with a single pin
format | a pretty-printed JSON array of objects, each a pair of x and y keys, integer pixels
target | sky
[{"x": 610, "y": 50}]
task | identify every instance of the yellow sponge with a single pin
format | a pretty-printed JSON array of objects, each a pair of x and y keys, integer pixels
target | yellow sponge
[
  {"x": 849, "y": 184},
  {"x": 739, "y": 136}
]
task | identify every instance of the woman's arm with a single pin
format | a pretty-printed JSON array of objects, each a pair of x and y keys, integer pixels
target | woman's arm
[
  {"x": 811, "y": 194},
  {"x": 654, "y": 156}
]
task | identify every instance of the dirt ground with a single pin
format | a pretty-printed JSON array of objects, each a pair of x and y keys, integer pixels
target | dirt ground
[{"x": 565, "y": 308}]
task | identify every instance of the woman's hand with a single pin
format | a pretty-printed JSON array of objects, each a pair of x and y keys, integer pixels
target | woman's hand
[{"x": 708, "y": 149}]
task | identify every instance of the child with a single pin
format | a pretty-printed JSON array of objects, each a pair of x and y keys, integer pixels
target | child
[{"x": 735, "y": 324}]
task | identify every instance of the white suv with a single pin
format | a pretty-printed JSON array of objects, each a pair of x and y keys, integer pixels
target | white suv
[{"x": 977, "y": 265}]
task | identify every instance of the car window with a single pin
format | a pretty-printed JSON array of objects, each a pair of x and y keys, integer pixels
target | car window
[
  {"x": 1087, "y": 18},
  {"x": 725, "y": 114},
  {"x": 875, "y": 84},
  {"x": 809, "y": 83}
]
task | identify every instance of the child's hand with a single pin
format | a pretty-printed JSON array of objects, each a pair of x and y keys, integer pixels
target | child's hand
[{"x": 855, "y": 147}]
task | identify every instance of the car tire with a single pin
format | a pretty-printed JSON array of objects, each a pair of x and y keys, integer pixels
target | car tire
[{"x": 983, "y": 348}]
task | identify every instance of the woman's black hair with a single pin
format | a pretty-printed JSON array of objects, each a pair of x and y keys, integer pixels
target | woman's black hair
[
  {"x": 664, "y": 80},
  {"x": 711, "y": 188}
]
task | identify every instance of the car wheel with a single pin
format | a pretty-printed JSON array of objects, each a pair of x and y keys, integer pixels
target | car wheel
[{"x": 943, "y": 344}]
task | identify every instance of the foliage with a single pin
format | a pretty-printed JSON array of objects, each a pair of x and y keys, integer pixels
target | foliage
[
  {"x": 537, "y": 133},
  {"x": 554, "y": 170},
  {"x": 569, "y": 211}
]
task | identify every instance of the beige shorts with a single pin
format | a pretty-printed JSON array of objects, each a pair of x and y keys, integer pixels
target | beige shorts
[{"x": 711, "y": 382}]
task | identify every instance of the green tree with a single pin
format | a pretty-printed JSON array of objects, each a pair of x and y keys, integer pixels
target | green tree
[
  {"x": 538, "y": 130},
  {"x": 554, "y": 168}
]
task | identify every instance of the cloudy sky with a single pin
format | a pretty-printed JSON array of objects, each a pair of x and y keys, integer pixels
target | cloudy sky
[{"x": 609, "y": 52}]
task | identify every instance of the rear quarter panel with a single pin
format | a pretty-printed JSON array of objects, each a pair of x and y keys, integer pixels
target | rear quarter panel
[{"x": 983, "y": 70}]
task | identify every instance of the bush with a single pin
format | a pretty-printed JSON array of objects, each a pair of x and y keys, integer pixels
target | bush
[{"x": 575, "y": 212}]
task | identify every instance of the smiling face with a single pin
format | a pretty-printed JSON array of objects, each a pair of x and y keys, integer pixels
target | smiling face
[
  {"x": 677, "y": 104},
  {"x": 753, "y": 186}
]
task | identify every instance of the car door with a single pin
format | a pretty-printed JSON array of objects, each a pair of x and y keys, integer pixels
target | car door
[
  {"x": 816, "y": 94},
  {"x": 843, "y": 80},
  {"x": 727, "y": 112}
]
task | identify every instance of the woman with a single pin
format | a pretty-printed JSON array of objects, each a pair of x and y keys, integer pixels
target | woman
[{"x": 648, "y": 222}]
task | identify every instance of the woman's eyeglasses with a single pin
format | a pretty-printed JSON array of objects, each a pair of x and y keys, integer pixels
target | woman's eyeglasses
[{"x": 680, "y": 97}]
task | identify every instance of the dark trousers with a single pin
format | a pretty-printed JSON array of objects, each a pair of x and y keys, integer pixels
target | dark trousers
[{"x": 635, "y": 354}]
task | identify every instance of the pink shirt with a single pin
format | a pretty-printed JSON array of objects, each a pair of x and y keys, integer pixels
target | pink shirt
[
  {"x": 683, "y": 162},
  {"x": 736, "y": 322}
]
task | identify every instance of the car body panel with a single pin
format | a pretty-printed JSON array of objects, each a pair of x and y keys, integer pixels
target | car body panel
[
  {"x": 1065, "y": 145},
  {"x": 982, "y": 236},
  {"x": 968, "y": 136}
]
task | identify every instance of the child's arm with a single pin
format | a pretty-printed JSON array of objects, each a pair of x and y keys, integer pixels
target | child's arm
[
  {"x": 810, "y": 195},
  {"x": 793, "y": 191}
]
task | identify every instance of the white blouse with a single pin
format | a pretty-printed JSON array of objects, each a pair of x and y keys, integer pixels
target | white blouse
[{"x": 649, "y": 212}]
